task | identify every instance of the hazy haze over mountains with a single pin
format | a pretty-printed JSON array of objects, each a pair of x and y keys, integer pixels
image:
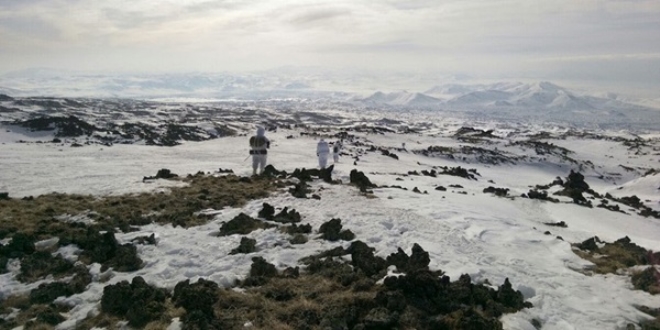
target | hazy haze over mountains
[{"x": 611, "y": 43}]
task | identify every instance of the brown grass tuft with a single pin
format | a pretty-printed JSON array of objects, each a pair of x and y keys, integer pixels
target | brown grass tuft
[{"x": 178, "y": 206}]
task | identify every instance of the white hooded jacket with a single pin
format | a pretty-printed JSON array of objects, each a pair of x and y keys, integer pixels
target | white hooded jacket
[{"x": 322, "y": 148}]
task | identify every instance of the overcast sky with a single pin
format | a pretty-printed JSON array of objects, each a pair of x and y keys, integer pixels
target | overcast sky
[{"x": 610, "y": 41}]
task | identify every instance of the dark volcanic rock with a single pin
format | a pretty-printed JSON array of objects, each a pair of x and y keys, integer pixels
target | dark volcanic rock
[
  {"x": 435, "y": 295},
  {"x": 575, "y": 180},
  {"x": 474, "y": 132},
  {"x": 509, "y": 297},
  {"x": 260, "y": 272},
  {"x": 431, "y": 173},
  {"x": 260, "y": 267},
  {"x": 298, "y": 229},
  {"x": 501, "y": 192},
  {"x": 242, "y": 224},
  {"x": 70, "y": 126},
  {"x": 362, "y": 257},
  {"x": 298, "y": 239},
  {"x": 300, "y": 190},
  {"x": 145, "y": 240},
  {"x": 460, "y": 172},
  {"x": 332, "y": 231},
  {"x": 104, "y": 249},
  {"x": 247, "y": 245},
  {"x": 49, "y": 315},
  {"x": 227, "y": 171},
  {"x": 267, "y": 212},
  {"x": 20, "y": 245},
  {"x": 305, "y": 175},
  {"x": 271, "y": 171},
  {"x": 632, "y": 201},
  {"x": 198, "y": 300},
  {"x": 161, "y": 174},
  {"x": 360, "y": 180},
  {"x": 40, "y": 264},
  {"x": 287, "y": 216},
  {"x": 380, "y": 318},
  {"x": 440, "y": 188},
  {"x": 138, "y": 302},
  {"x": 3, "y": 264},
  {"x": 556, "y": 224},
  {"x": 540, "y": 194},
  {"x": 589, "y": 244},
  {"x": 199, "y": 296},
  {"x": 647, "y": 280},
  {"x": 4, "y": 196},
  {"x": 419, "y": 260},
  {"x": 47, "y": 292}
]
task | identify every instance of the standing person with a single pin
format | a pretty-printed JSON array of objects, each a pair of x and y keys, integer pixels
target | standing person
[
  {"x": 336, "y": 148},
  {"x": 322, "y": 151},
  {"x": 258, "y": 149}
]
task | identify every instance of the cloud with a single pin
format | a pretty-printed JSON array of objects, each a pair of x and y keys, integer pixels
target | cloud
[
  {"x": 494, "y": 37},
  {"x": 318, "y": 16},
  {"x": 599, "y": 57}
]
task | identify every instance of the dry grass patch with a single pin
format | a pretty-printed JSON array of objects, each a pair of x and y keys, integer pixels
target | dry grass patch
[
  {"x": 610, "y": 257},
  {"x": 34, "y": 317},
  {"x": 41, "y": 215},
  {"x": 647, "y": 280},
  {"x": 101, "y": 320},
  {"x": 289, "y": 303},
  {"x": 619, "y": 257}
]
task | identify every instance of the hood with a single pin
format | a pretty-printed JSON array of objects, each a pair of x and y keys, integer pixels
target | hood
[{"x": 261, "y": 131}]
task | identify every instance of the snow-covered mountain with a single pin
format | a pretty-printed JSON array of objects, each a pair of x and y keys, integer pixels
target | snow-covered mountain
[
  {"x": 402, "y": 98},
  {"x": 540, "y": 101}
]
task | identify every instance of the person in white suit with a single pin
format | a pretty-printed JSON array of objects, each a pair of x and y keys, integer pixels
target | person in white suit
[
  {"x": 336, "y": 149},
  {"x": 259, "y": 145},
  {"x": 322, "y": 151}
]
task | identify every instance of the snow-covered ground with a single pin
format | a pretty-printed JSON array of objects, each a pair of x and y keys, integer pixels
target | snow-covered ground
[{"x": 479, "y": 234}]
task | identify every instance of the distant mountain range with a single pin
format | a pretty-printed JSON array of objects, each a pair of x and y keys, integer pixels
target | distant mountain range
[
  {"x": 538, "y": 102},
  {"x": 535, "y": 96}
]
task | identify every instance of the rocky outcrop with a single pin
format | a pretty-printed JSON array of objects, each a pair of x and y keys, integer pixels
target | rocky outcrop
[
  {"x": 332, "y": 231},
  {"x": 242, "y": 224},
  {"x": 137, "y": 302}
]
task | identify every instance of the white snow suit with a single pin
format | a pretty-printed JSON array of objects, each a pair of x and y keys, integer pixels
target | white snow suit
[
  {"x": 258, "y": 149},
  {"x": 336, "y": 149},
  {"x": 322, "y": 151}
]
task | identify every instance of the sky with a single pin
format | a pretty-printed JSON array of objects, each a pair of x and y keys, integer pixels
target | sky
[{"x": 600, "y": 41}]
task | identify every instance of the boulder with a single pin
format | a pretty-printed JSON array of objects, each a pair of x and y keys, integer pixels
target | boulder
[
  {"x": 242, "y": 224},
  {"x": 247, "y": 245},
  {"x": 332, "y": 231},
  {"x": 360, "y": 180},
  {"x": 501, "y": 192},
  {"x": 138, "y": 302}
]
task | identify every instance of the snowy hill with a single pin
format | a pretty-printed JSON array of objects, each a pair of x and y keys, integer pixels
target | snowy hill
[
  {"x": 539, "y": 102},
  {"x": 492, "y": 215},
  {"x": 400, "y": 99}
]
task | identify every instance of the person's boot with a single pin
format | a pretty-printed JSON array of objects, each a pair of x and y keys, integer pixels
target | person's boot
[{"x": 254, "y": 172}]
